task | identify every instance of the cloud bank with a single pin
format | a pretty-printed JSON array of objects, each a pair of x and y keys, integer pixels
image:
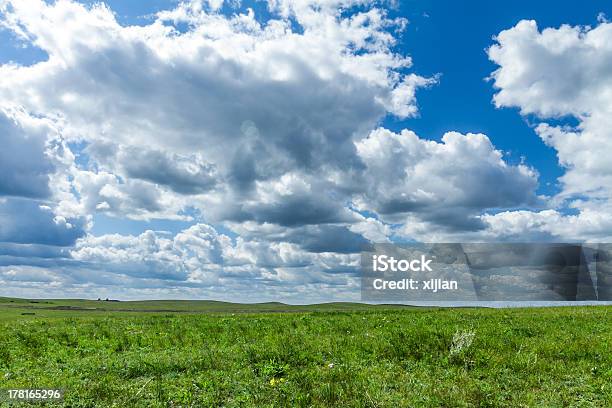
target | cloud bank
[{"x": 265, "y": 135}]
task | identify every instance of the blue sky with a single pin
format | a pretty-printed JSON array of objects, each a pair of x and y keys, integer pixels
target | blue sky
[
  {"x": 189, "y": 149},
  {"x": 450, "y": 38}
]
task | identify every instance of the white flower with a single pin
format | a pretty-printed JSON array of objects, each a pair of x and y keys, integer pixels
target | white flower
[{"x": 461, "y": 340}]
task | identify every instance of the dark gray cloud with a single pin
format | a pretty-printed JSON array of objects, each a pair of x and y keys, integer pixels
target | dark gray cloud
[
  {"x": 8, "y": 249},
  {"x": 330, "y": 238},
  {"x": 292, "y": 211},
  {"x": 25, "y": 221},
  {"x": 448, "y": 184},
  {"x": 312, "y": 238},
  {"x": 24, "y": 166},
  {"x": 183, "y": 174}
]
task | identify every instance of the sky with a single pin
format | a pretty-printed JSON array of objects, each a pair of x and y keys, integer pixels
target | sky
[{"x": 249, "y": 150}]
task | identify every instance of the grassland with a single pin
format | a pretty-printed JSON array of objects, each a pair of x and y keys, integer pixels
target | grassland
[{"x": 168, "y": 353}]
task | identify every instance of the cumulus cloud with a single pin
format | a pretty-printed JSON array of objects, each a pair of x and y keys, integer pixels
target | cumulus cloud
[
  {"x": 107, "y": 193},
  {"x": 448, "y": 183},
  {"x": 574, "y": 58},
  {"x": 29, "y": 222},
  {"x": 254, "y": 101},
  {"x": 33, "y": 179},
  {"x": 182, "y": 173},
  {"x": 200, "y": 256},
  {"x": 553, "y": 74},
  {"x": 155, "y": 86},
  {"x": 261, "y": 126}
]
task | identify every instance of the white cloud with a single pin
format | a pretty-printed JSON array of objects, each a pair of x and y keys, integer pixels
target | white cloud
[
  {"x": 400, "y": 102},
  {"x": 264, "y": 128},
  {"x": 133, "y": 92},
  {"x": 592, "y": 224},
  {"x": 201, "y": 257},
  {"x": 554, "y": 74},
  {"x": 104, "y": 192},
  {"x": 448, "y": 183}
]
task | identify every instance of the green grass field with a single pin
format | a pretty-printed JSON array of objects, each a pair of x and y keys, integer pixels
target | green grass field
[{"x": 201, "y": 354}]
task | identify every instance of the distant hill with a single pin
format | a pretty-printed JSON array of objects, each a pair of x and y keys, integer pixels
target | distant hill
[{"x": 174, "y": 306}]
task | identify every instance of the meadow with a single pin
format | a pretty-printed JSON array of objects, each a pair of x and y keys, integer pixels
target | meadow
[{"x": 214, "y": 354}]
